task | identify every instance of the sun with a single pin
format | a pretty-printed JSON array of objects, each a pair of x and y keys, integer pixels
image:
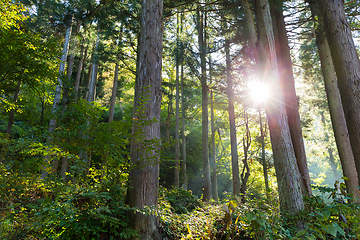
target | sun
[{"x": 259, "y": 92}]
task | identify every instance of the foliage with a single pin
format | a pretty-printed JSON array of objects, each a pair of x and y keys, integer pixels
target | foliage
[
  {"x": 337, "y": 219},
  {"x": 34, "y": 209}
]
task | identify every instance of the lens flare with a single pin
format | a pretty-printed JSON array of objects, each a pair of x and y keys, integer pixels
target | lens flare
[{"x": 259, "y": 92}]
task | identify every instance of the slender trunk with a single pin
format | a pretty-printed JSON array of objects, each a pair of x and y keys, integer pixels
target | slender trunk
[
  {"x": 56, "y": 101},
  {"x": 336, "y": 109},
  {"x": 12, "y": 111},
  {"x": 113, "y": 95},
  {"x": 287, "y": 172},
  {"x": 177, "y": 152},
  {"x": 59, "y": 87},
  {"x": 88, "y": 81},
  {"x": 183, "y": 128},
  {"x": 289, "y": 94},
  {"x": 347, "y": 67},
  {"x": 169, "y": 115},
  {"x": 144, "y": 172},
  {"x": 80, "y": 68},
  {"x": 245, "y": 174},
  {"x": 92, "y": 84},
  {"x": 233, "y": 140},
  {"x": 213, "y": 151},
  {"x": 71, "y": 60},
  {"x": 81, "y": 91},
  {"x": 263, "y": 156},
  {"x": 205, "y": 113}
]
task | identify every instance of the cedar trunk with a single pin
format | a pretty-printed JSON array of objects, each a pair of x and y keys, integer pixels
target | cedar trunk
[
  {"x": 113, "y": 95},
  {"x": 233, "y": 141},
  {"x": 177, "y": 99},
  {"x": 145, "y": 145},
  {"x": 347, "y": 67},
  {"x": 288, "y": 88},
  {"x": 336, "y": 109},
  {"x": 287, "y": 172},
  {"x": 205, "y": 111}
]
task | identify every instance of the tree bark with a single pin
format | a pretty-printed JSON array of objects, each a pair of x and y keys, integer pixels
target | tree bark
[
  {"x": 335, "y": 107},
  {"x": 245, "y": 174},
  {"x": 80, "y": 68},
  {"x": 205, "y": 111},
  {"x": 92, "y": 83},
  {"x": 213, "y": 150},
  {"x": 113, "y": 95},
  {"x": 287, "y": 172},
  {"x": 263, "y": 156},
  {"x": 347, "y": 67},
  {"x": 249, "y": 19},
  {"x": 145, "y": 145},
  {"x": 183, "y": 129},
  {"x": 177, "y": 152},
  {"x": 57, "y": 98},
  {"x": 233, "y": 140},
  {"x": 58, "y": 90},
  {"x": 289, "y": 93}
]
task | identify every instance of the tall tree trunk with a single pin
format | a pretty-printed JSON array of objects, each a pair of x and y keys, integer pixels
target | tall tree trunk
[
  {"x": 205, "y": 112},
  {"x": 213, "y": 150},
  {"x": 287, "y": 172},
  {"x": 183, "y": 140},
  {"x": 263, "y": 156},
  {"x": 89, "y": 77},
  {"x": 12, "y": 111},
  {"x": 95, "y": 65},
  {"x": 80, "y": 68},
  {"x": 245, "y": 174},
  {"x": 335, "y": 106},
  {"x": 289, "y": 93},
  {"x": 347, "y": 67},
  {"x": 113, "y": 95},
  {"x": 144, "y": 172},
  {"x": 233, "y": 140},
  {"x": 59, "y": 87},
  {"x": 177, "y": 152},
  {"x": 57, "y": 98}
]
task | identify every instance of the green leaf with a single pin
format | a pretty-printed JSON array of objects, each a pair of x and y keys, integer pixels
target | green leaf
[
  {"x": 311, "y": 237},
  {"x": 331, "y": 230},
  {"x": 339, "y": 229},
  {"x": 250, "y": 216},
  {"x": 260, "y": 221},
  {"x": 300, "y": 233}
]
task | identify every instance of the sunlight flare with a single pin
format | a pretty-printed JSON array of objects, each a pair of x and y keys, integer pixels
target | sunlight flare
[{"x": 259, "y": 92}]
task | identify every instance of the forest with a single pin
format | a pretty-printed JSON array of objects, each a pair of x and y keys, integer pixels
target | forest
[{"x": 187, "y": 119}]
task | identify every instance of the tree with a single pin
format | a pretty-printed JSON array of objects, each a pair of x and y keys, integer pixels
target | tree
[
  {"x": 336, "y": 110},
  {"x": 144, "y": 173},
  {"x": 289, "y": 94},
  {"x": 347, "y": 66},
  {"x": 233, "y": 140},
  {"x": 205, "y": 112},
  {"x": 287, "y": 172}
]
